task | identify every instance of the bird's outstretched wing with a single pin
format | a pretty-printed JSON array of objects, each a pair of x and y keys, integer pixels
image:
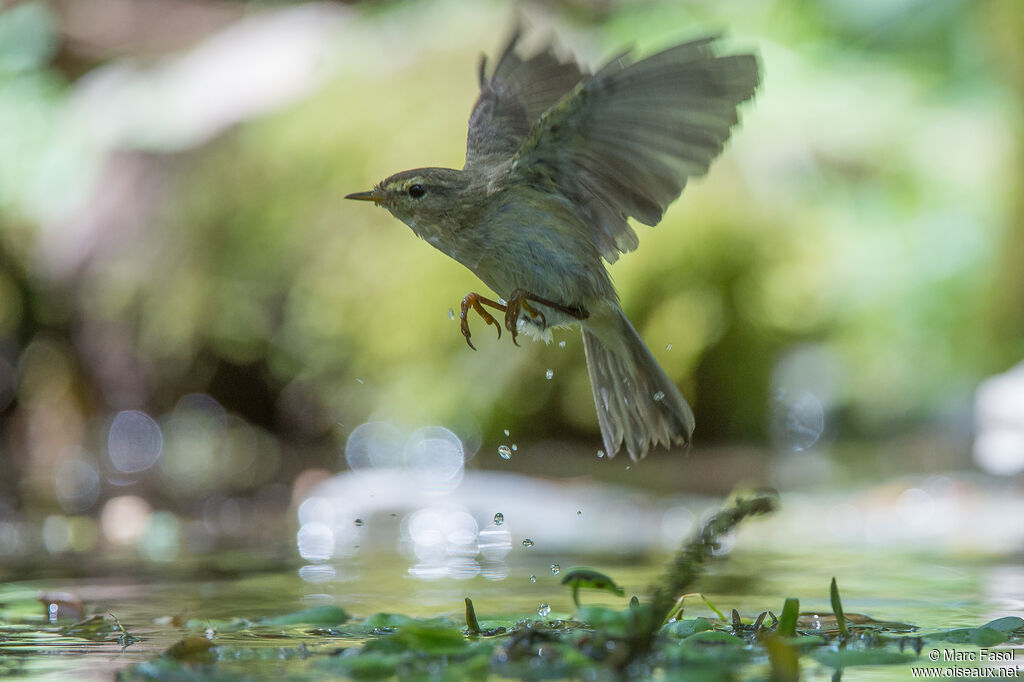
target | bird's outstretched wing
[
  {"x": 624, "y": 142},
  {"x": 513, "y": 98}
]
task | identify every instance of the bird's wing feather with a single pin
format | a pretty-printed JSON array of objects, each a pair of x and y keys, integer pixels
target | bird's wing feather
[
  {"x": 624, "y": 142},
  {"x": 513, "y": 98}
]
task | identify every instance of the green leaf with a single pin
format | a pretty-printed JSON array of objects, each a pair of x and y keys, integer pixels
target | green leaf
[
  {"x": 578, "y": 578},
  {"x": 957, "y": 636},
  {"x": 472, "y": 625},
  {"x": 686, "y": 628},
  {"x": 787, "y": 621},
  {"x": 713, "y": 607},
  {"x": 315, "y": 615},
  {"x": 364, "y": 666},
  {"x": 844, "y": 658},
  {"x": 387, "y": 620},
  {"x": 1005, "y": 624},
  {"x": 837, "y": 608},
  {"x": 990, "y": 634},
  {"x": 431, "y": 639},
  {"x": 714, "y": 638},
  {"x": 986, "y": 636}
]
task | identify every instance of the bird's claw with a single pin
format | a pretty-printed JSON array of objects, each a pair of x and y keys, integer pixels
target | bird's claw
[
  {"x": 476, "y": 302},
  {"x": 517, "y": 303}
]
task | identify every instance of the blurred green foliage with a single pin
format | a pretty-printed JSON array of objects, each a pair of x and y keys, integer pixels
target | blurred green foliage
[{"x": 862, "y": 208}]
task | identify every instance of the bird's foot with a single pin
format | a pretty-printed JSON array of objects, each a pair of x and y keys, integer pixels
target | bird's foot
[
  {"x": 517, "y": 303},
  {"x": 477, "y": 303}
]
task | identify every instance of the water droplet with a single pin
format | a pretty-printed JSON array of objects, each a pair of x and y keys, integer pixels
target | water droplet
[
  {"x": 660, "y": 395},
  {"x": 451, "y": 314},
  {"x": 499, "y": 519},
  {"x": 556, "y": 569},
  {"x": 505, "y": 452},
  {"x": 561, "y": 344},
  {"x": 358, "y": 380},
  {"x": 668, "y": 347},
  {"x": 628, "y": 467},
  {"x": 548, "y": 374},
  {"x": 600, "y": 454},
  {"x": 527, "y": 543},
  {"x": 359, "y": 522},
  {"x": 533, "y": 578},
  {"x": 506, "y": 432},
  {"x": 502, "y": 301},
  {"x": 543, "y": 610},
  {"x": 514, "y": 447}
]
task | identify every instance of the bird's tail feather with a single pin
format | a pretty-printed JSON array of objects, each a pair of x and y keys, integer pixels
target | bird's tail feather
[{"x": 637, "y": 404}]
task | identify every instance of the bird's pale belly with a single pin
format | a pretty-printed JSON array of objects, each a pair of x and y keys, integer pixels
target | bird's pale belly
[{"x": 539, "y": 253}]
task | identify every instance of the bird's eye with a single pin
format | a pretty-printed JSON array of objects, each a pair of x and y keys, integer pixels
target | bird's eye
[{"x": 416, "y": 191}]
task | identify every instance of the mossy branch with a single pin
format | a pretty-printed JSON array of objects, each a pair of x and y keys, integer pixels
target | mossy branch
[{"x": 689, "y": 560}]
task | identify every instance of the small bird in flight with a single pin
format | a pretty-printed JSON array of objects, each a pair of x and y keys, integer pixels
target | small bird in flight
[{"x": 557, "y": 160}]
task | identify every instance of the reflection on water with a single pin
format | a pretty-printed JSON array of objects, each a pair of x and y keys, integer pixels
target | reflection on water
[
  {"x": 409, "y": 493},
  {"x": 411, "y": 490},
  {"x": 416, "y": 474}
]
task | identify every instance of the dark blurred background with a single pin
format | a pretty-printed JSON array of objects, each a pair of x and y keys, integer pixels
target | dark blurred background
[{"x": 193, "y": 320}]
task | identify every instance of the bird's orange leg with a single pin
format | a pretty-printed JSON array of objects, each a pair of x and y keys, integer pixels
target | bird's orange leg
[
  {"x": 517, "y": 303},
  {"x": 477, "y": 303}
]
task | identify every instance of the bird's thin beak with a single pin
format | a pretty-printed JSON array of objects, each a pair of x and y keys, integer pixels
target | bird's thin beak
[{"x": 374, "y": 195}]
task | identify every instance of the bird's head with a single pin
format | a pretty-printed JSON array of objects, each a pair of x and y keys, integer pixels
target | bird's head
[{"x": 429, "y": 200}]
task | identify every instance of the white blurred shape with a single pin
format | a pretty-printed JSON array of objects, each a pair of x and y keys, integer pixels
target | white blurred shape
[
  {"x": 317, "y": 509},
  {"x": 845, "y": 522},
  {"x": 162, "y": 540},
  {"x": 56, "y": 534},
  {"x": 12, "y": 540},
  {"x": 1000, "y": 451},
  {"x": 134, "y": 441},
  {"x": 915, "y": 507},
  {"x": 429, "y": 570},
  {"x": 999, "y": 423},
  {"x": 805, "y": 381},
  {"x": 460, "y": 533},
  {"x": 494, "y": 571},
  {"x": 315, "y": 541},
  {"x": 192, "y": 404},
  {"x": 426, "y": 536},
  {"x": 374, "y": 445},
  {"x": 463, "y": 568},
  {"x": 809, "y": 367},
  {"x": 254, "y": 66},
  {"x": 445, "y": 531},
  {"x": 799, "y": 420},
  {"x": 77, "y": 484},
  {"x": 318, "y": 573},
  {"x": 124, "y": 519},
  {"x": 677, "y": 523},
  {"x": 435, "y": 456},
  {"x": 495, "y": 543}
]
